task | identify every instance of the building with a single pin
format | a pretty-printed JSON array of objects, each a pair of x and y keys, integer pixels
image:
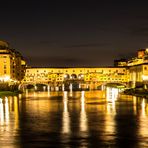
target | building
[
  {"x": 92, "y": 77},
  {"x": 120, "y": 63},
  {"x": 138, "y": 69},
  {"x": 138, "y": 75},
  {"x": 12, "y": 64}
]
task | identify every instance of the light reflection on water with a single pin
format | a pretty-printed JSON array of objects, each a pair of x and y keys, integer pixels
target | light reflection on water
[
  {"x": 9, "y": 122},
  {"x": 66, "y": 118},
  {"x": 74, "y": 119},
  {"x": 83, "y": 116}
]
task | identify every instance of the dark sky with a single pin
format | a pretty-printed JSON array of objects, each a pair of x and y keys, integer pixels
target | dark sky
[{"x": 74, "y": 33}]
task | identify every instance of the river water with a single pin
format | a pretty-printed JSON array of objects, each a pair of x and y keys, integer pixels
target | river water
[{"x": 73, "y": 119}]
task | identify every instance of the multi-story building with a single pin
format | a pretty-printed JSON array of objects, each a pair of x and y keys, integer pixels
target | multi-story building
[
  {"x": 12, "y": 64},
  {"x": 138, "y": 68}
]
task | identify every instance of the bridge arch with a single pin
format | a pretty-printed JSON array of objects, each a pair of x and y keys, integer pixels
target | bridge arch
[
  {"x": 73, "y": 76},
  {"x": 66, "y": 76}
]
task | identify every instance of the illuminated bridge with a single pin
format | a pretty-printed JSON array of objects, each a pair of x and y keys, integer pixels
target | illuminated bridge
[{"x": 82, "y": 78}]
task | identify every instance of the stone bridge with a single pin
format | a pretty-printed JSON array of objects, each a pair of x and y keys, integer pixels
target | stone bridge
[{"x": 80, "y": 78}]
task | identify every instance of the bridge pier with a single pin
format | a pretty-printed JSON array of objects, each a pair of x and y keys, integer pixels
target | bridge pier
[
  {"x": 63, "y": 87},
  {"x": 70, "y": 87}
]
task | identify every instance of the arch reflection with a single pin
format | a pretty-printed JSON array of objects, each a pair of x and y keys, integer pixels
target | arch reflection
[{"x": 111, "y": 96}]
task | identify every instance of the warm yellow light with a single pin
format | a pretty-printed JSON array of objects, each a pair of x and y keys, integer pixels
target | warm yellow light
[
  {"x": 144, "y": 77},
  {"x": 5, "y": 78}
]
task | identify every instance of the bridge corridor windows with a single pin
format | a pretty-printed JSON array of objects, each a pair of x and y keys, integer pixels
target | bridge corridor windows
[
  {"x": 81, "y": 76},
  {"x": 66, "y": 76},
  {"x": 73, "y": 76}
]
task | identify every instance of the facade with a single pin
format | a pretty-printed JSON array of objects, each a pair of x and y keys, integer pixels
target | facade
[
  {"x": 50, "y": 75},
  {"x": 142, "y": 57},
  {"x": 12, "y": 64},
  {"x": 138, "y": 75},
  {"x": 138, "y": 69}
]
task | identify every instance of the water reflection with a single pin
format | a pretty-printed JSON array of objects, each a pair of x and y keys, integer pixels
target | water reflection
[
  {"x": 9, "y": 122},
  {"x": 143, "y": 126},
  {"x": 74, "y": 119},
  {"x": 66, "y": 118},
  {"x": 83, "y": 116},
  {"x": 1, "y": 112},
  {"x": 135, "y": 104},
  {"x": 111, "y": 97}
]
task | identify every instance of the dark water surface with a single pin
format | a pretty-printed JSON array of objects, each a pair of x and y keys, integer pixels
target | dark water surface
[{"x": 73, "y": 119}]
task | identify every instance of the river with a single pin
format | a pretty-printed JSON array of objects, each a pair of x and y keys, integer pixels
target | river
[{"x": 73, "y": 119}]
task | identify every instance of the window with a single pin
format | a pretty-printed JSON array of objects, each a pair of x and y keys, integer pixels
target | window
[
  {"x": 145, "y": 68},
  {"x": 5, "y": 71}
]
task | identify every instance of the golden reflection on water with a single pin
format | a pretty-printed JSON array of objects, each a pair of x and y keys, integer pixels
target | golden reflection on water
[
  {"x": 143, "y": 123},
  {"x": 66, "y": 118},
  {"x": 110, "y": 124},
  {"x": 143, "y": 108},
  {"x": 1, "y": 112},
  {"x": 135, "y": 105},
  {"x": 83, "y": 116},
  {"x": 9, "y": 121},
  {"x": 88, "y": 105}
]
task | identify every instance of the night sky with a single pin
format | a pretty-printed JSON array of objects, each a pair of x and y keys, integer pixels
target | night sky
[{"x": 74, "y": 33}]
